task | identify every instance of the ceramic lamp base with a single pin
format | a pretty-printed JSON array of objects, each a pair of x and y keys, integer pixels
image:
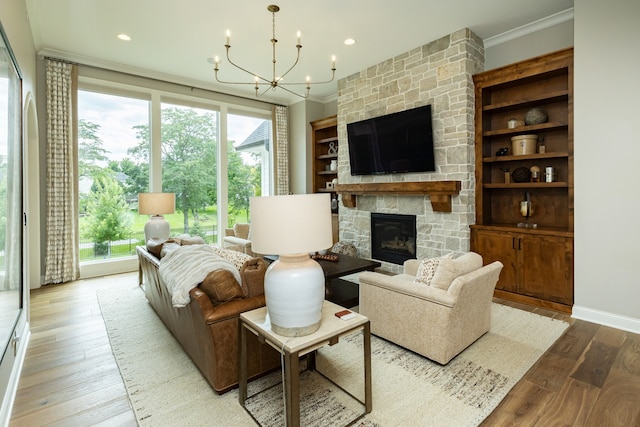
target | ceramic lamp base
[
  {"x": 294, "y": 292},
  {"x": 156, "y": 228}
]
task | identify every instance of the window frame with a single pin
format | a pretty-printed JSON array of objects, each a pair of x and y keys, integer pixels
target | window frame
[{"x": 157, "y": 93}]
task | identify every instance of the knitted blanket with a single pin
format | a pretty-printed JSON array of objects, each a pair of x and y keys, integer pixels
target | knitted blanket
[{"x": 187, "y": 266}]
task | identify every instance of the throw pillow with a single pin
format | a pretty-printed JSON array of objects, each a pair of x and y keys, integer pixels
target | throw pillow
[
  {"x": 154, "y": 246},
  {"x": 427, "y": 269},
  {"x": 191, "y": 240},
  {"x": 234, "y": 257},
  {"x": 252, "y": 274},
  {"x": 449, "y": 269},
  {"x": 168, "y": 247},
  {"x": 220, "y": 286}
]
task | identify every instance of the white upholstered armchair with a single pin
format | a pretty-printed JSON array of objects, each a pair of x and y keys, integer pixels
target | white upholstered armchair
[
  {"x": 437, "y": 320},
  {"x": 238, "y": 238}
]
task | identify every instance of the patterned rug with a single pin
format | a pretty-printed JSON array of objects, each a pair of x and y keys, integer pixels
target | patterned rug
[{"x": 165, "y": 388}]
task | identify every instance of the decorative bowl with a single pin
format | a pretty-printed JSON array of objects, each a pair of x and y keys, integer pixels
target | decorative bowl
[{"x": 536, "y": 116}]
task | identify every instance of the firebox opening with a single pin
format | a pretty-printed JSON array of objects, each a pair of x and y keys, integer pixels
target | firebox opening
[{"x": 393, "y": 237}]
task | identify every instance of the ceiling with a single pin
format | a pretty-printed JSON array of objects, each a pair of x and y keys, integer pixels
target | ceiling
[{"x": 172, "y": 40}]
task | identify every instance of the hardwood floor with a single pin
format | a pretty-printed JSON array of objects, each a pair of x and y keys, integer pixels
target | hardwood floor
[{"x": 590, "y": 377}]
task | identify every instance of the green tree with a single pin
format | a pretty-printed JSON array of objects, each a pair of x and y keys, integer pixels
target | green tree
[
  {"x": 90, "y": 150},
  {"x": 189, "y": 147},
  {"x": 108, "y": 218},
  {"x": 244, "y": 182}
]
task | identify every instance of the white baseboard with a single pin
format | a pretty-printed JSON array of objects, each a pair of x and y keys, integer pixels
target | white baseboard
[{"x": 605, "y": 318}]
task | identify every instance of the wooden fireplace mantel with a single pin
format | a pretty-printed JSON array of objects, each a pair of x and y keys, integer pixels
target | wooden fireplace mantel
[{"x": 439, "y": 192}]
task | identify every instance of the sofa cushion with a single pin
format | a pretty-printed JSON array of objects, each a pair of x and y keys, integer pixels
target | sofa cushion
[
  {"x": 427, "y": 269},
  {"x": 220, "y": 286},
  {"x": 154, "y": 246},
  {"x": 252, "y": 274},
  {"x": 185, "y": 239},
  {"x": 234, "y": 257},
  {"x": 167, "y": 247},
  {"x": 448, "y": 269}
]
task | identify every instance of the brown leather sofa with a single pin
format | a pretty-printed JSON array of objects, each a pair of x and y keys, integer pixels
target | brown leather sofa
[{"x": 207, "y": 332}]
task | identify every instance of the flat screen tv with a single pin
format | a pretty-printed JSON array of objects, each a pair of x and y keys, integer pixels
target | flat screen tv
[{"x": 393, "y": 143}]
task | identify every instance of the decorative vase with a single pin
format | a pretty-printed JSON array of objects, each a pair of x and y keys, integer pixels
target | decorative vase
[
  {"x": 294, "y": 293},
  {"x": 334, "y": 165}
]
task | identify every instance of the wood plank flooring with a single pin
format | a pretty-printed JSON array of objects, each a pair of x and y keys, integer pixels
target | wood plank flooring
[{"x": 590, "y": 377}]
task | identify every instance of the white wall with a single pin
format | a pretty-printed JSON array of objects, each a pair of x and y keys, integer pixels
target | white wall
[
  {"x": 504, "y": 50},
  {"x": 607, "y": 154}
]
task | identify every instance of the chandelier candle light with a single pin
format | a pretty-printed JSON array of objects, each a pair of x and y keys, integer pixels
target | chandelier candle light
[
  {"x": 275, "y": 81},
  {"x": 156, "y": 204},
  {"x": 291, "y": 227}
]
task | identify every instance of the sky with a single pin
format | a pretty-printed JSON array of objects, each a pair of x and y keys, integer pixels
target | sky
[{"x": 117, "y": 116}]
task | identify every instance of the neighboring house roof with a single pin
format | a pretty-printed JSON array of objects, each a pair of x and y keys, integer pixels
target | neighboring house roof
[{"x": 259, "y": 138}]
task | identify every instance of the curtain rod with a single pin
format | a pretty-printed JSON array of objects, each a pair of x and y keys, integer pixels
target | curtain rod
[{"x": 190, "y": 87}]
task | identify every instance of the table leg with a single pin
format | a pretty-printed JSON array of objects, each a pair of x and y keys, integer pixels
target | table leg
[
  {"x": 368, "y": 400},
  {"x": 292, "y": 389},
  {"x": 242, "y": 364}
]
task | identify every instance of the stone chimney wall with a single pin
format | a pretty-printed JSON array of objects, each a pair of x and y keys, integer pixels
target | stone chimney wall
[{"x": 438, "y": 73}]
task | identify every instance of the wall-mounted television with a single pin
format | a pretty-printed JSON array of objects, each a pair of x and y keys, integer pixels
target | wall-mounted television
[{"x": 393, "y": 143}]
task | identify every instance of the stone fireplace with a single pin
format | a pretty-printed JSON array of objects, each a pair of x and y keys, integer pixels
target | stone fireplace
[
  {"x": 393, "y": 237},
  {"x": 438, "y": 73}
]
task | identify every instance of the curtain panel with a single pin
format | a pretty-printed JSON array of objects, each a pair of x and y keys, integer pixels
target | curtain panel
[
  {"x": 281, "y": 151},
  {"x": 62, "y": 262}
]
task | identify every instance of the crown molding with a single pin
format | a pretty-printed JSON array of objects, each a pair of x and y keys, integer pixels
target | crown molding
[
  {"x": 532, "y": 27},
  {"x": 155, "y": 75}
]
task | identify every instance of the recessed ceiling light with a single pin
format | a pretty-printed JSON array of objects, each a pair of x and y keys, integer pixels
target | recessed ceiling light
[
  {"x": 349, "y": 42},
  {"x": 124, "y": 37}
]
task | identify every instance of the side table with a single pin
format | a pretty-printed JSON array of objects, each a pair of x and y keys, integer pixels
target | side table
[{"x": 331, "y": 328}]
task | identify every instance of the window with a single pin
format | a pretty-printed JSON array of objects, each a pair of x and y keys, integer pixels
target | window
[
  {"x": 110, "y": 129},
  {"x": 136, "y": 139},
  {"x": 189, "y": 163},
  {"x": 248, "y": 160}
]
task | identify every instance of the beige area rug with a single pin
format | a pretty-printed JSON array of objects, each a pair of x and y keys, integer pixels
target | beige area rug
[{"x": 166, "y": 389}]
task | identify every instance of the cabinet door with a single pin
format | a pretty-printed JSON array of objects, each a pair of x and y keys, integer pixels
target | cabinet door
[
  {"x": 498, "y": 246},
  {"x": 547, "y": 268}
]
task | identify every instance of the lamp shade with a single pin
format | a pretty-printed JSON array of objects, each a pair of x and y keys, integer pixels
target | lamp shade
[
  {"x": 292, "y": 224},
  {"x": 156, "y": 203}
]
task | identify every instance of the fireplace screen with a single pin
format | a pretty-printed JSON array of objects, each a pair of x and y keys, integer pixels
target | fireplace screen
[{"x": 393, "y": 237}]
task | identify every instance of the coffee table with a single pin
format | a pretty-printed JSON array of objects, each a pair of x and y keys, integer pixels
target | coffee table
[
  {"x": 340, "y": 291},
  {"x": 292, "y": 348}
]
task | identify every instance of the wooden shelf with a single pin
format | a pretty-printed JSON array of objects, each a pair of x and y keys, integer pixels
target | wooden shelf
[
  {"x": 537, "y": 262},
  {"x": 526, "y": 129},
  {"x": 526, "y": 185},
  {"x": 327, "y": 140},
  {"x": 551, "y": 155},
  {"x": 439, "y": 192}
]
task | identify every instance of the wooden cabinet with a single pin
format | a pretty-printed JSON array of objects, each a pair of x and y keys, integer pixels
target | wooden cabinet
[
  {"x": 324, "y": 140},
  {"x": 536, "y": 251},
  {"x": 535, "y": 265}
]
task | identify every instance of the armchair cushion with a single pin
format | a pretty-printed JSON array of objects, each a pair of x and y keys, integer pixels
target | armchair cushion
[
  {"x": 448, "y": 269},
  {"x": 242, "y": 230}
]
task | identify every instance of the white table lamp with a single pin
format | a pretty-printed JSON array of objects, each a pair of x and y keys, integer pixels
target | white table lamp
[
  {"x": 156, "y": 204},
  {"x": 291, "y": 227}
]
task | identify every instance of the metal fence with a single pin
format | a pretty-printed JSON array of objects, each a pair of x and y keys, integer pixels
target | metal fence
[{"x": 90, "y": 251}]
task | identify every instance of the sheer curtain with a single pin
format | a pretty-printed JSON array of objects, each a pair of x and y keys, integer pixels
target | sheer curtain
[
  {"x": 280, "y": 151},
  {"x": 62, "y": 254}
]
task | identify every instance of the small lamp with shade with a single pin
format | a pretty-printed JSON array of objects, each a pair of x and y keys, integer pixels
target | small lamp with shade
[
  {"x": 156, "y": 204},
  {"x": 292, "y": 227}
]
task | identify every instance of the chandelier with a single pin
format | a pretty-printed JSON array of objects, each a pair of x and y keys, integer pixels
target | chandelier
[{"x": 259, "y": 82}]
